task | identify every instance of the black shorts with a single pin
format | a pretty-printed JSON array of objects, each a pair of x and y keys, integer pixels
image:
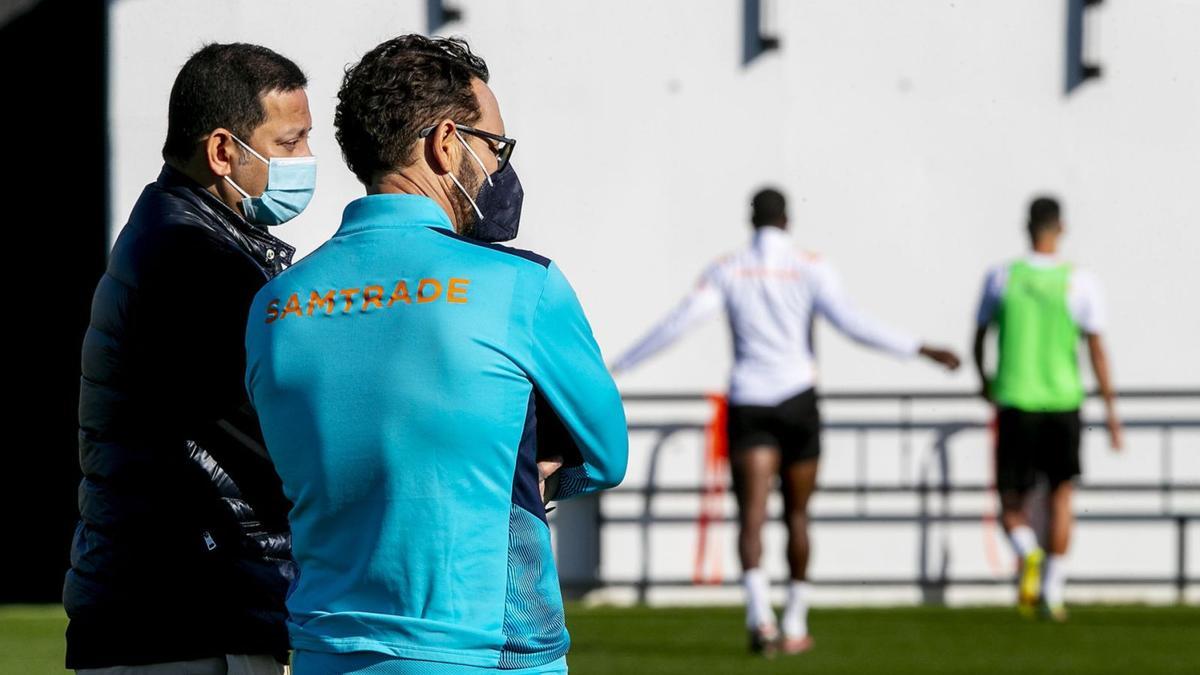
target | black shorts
[
  {"x": 793, "y": 426},
  {"x": 1032, "y": 443}
]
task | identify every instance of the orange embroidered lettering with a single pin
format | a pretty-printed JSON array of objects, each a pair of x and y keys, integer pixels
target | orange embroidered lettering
[
  {"x": 318, "y": 301},
  {"x": 292, "y": 306},
  {"x": 426, "y": 283},
  {"x": 273, "y": 310},
  {"x": 349, "y": 294},
  {"x": 458, "y": 291},
  {"x": 401, "y": 294},
  {"x": 373, "y": 296}
]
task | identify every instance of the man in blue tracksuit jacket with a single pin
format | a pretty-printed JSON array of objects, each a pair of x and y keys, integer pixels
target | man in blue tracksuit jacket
[{"x": 409, "y": 376}]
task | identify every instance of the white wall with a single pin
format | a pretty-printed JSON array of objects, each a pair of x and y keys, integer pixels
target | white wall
[{"x": 908, "y": 135}]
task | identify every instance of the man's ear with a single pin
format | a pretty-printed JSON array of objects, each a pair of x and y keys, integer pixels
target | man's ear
[
  {"x": 442, "y": 148},
  {"x": 219, "y": 152}
]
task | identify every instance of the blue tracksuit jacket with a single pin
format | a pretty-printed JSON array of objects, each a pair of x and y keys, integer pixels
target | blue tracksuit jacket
[{"x": 406, "y": 380}]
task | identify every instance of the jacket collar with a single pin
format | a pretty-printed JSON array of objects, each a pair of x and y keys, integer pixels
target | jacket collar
[
  {"x": 1036, "y": 259},
  {"x": 270, "y": 251},
  {"x": 769, "y": 235},
  {"x": 392, "y": 211}
]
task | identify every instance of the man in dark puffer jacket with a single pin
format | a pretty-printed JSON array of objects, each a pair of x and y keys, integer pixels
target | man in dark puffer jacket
[{"x": 183, "y": 550}]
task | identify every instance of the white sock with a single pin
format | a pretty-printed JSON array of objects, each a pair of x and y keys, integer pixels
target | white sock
[
  {"x": 1024, "y": 540},
  {"x": 795, "y": 614},
  {"x": 1054, "y": 580},
  {"x": 758, "y": 599}
]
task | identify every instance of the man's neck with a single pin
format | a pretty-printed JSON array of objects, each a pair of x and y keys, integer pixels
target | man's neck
[
  {"x": 771, "y": 229},
  {"x": 1046, "y": 246},
  {"x": 197, "y": 170},
  {"x": 199, "y": 173},
  {"x": 406, "y": 184}
]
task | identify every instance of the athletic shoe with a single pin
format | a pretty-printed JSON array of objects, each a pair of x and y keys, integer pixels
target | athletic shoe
[
  {"x": 1056, "y": 613},
  {"x": 1029, "y": 589},
  {"x": 795, "y": 645},
  {"x": 764, "y": 640}
]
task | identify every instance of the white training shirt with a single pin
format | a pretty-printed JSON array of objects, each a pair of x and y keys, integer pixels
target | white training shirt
[
  {"x": 771, "y": 294},
  {"x": 1085, "y": 299}
]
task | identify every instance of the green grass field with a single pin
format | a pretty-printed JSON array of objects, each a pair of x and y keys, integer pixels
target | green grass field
[{"x": 1125, "y": 640}]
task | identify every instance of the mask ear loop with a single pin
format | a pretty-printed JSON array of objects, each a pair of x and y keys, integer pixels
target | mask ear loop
[
  {"x": 481, "y": 168},
  {"x": 237, "y": 187},
  {"x": 251, "y": 151},
  {"x": 473, "y": 204},
  {"x": 477, "y": 160}
]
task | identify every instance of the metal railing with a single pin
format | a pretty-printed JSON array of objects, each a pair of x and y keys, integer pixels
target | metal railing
[{"x": 926, "y": 489}]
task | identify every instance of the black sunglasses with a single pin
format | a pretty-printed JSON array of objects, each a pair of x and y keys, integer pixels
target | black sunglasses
[{"x": 504, "y": 145}]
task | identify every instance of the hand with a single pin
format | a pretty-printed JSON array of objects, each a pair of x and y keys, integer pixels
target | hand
[
  {"x": 1116, "y": 434},
  {"x": 945, "y": 357},
  {"x": 546, "y": 468}
]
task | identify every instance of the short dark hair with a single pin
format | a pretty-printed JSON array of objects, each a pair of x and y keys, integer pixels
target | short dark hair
[
  {"x": 398, "y": 88},
  {"x": 222, "y": 85},
  {"x": 768, "y": 207},
  {"x": 1044, "y": 214}
]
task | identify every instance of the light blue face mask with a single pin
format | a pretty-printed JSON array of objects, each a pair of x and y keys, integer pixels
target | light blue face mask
[{"x": 290, "y": 185}]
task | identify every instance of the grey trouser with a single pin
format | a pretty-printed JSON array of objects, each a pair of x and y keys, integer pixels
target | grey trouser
[{"x": 232, "y": 664}]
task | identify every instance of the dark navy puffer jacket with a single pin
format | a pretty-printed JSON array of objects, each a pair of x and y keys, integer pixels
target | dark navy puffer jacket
[{"x": 182, "y": 550}]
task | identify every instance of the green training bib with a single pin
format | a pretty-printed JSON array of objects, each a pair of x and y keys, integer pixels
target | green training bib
[{"x": 1038, "y": 368}]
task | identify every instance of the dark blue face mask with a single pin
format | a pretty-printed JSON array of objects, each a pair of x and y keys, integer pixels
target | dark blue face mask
[{"x": 498, "y": 204}]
